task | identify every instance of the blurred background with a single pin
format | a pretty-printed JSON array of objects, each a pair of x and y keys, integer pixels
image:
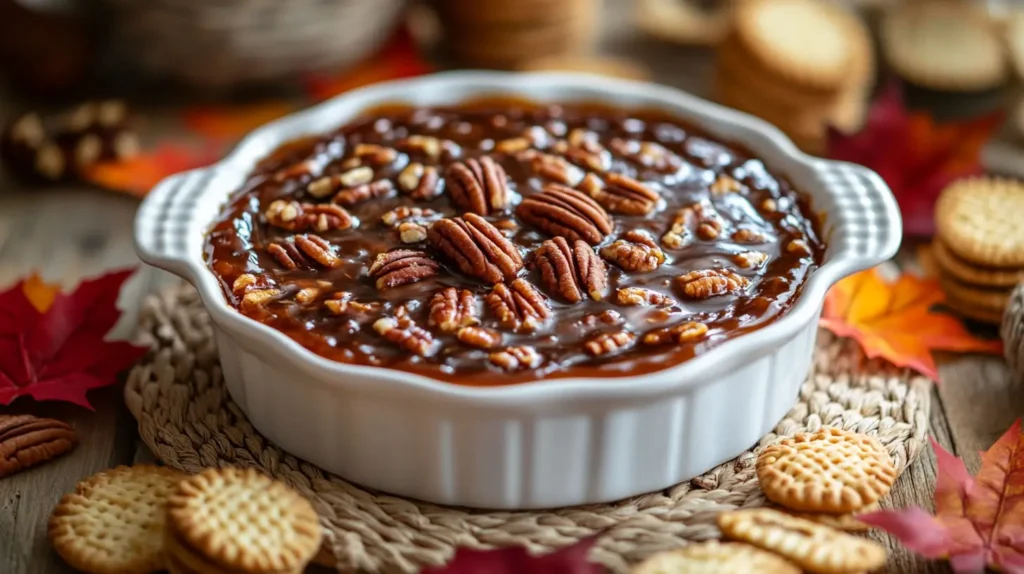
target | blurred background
[{"x": 100, "y": 99}]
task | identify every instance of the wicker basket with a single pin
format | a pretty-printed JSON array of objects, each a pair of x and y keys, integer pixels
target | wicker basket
[{"x": 218, "y": 44}]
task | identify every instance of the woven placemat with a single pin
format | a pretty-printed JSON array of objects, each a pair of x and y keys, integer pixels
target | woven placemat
[{"x": 187, "y": 418}]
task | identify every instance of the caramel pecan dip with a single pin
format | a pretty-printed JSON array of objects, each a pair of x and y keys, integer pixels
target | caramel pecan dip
[{"x": 503, "y": 241}]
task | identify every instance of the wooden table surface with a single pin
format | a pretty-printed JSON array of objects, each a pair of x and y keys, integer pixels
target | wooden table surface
[{"x": 70, "y": 233}]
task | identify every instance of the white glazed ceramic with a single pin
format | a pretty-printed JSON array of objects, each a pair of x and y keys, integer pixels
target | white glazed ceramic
[{"x": 542, "y": 444}]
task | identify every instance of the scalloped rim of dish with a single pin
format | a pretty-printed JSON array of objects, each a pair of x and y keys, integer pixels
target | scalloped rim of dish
[{"x": 694, "y": 372}]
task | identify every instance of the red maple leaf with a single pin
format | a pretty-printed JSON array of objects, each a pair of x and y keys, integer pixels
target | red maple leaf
[
  {"x": 916, "y": 156},
  {"x": 978, "y": 520},
  {"x": 516, "y": 560},
  {"x": 51, "y": 344}
]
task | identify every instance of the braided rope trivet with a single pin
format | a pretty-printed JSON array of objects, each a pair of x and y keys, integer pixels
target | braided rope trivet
[{"x": 188, "y": 420}]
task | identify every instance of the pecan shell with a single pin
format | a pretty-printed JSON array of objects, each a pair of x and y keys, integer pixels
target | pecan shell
[
  {"x": 571, "y": 272},
  {"x": 477, "y": 185},
  {"x": 26, "y": 441},
  {"x": 708, "y": 283},
  {"x": 621, "y": 194},
  {"x": 566, "y": 212},
  {"x": 518, "y": 306},
  {"x": 452, "y": 309},
  {"x": 476, "y": 247},
  {"x": 402, "y": 267},
  {"x": 304, "y": 252},
  {"x": 635, "y": 251},
  {"x": 298, "y": 217}
]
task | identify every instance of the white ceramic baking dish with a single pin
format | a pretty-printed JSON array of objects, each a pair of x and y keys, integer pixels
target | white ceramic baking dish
[{"x": 540, "y": 444}]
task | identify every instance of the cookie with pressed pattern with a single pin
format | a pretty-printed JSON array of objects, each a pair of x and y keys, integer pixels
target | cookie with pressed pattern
[{"x": 713, "y": 557}]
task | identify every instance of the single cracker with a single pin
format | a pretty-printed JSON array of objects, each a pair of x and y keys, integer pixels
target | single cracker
[
  {"x": 805, "y": 43},
  {"x": 831, "y": 470},
  {"x": 113, "y": 522},
  {"x": 683, "y": 21},
  {"x": 978, "y": 219},
  {"x": 713, "y": 557},
  {"x": 965, "y": 272},
  {"x": 844, "y": 522},
  {"x": 977, "y": 297},
  {"x": 943, "y": 45},
  {"x": 811, "y": 546},
  {"x": 245, "y": 520}
]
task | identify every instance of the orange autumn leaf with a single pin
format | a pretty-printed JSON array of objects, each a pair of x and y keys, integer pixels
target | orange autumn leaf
[
  {"x": 138, "y": 175},
  {"x": 39, "y": 293},
  {"x": 233, "y": 122},
  {"x": 399, "y": 59},
  {"x": 898, "y": 321}
]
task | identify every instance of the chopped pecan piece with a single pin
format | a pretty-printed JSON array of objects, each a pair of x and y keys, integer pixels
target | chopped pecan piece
[
  {"x": 420, "y": 181},
  {"x": 799, "y": 248},
  {"x": 295, "y": 216},
  {"x": 402, "y": 267},
  {"x": 647, "y": 154},
  {"x": 341, "y": 303},
  {"x": 621, "y": 194},
  {"x": 404, "y": 332},
  {"x": 518, "y": 306},
  {"x": 566, "y": 212},
  {"x": 476, "y": 247},
  {"x": 512, "y": 145},
  {"x": 477, "y": 185},
  {"x": 750, "y": 236},
  {"x": 429, "y": 146},
  {"x": 364, "y": 192},
  {"x": 635, "y": 251},
  {"x": 607, "y": 317},
  {"x": 700, "y": 216},
  {"x": 551, "y": 167},
  {"x": 683, "y": 333},
  {"x": 304, "y": 251},
  {"x": 480, "y": 337},
  {"x": 607, "y": 343},
  {"x": 242, "y": 283},
  {"x": 259, "y": 298},
  {"x": 327, "y": 185},
  {"x": 750, "y": 259},
  {"x": 307, "y": 295},
  {"x": 375, "y": 154},
  {"x": 404, "y": 213},
  {"x": 769, "y": 205},
  {"x": 412, "y": 232},
  {"x": 571, "y": 271},
  {"x": 711, "y": 283},
  {"x": 639, "y": 296},
  {"x": 452, "y": 309},
  {"x": 725, "y": 184},
  {"x": 516, "y": 358}
]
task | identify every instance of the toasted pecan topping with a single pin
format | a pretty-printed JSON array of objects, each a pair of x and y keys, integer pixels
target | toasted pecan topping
[
  {"x": 364, "y": 192},
  {"x": 304, "y": 252},
  {"x": 635, "y": 251},
  {"x": 639, "y": 296},
  {"x": 571, "y": 271},
  {"x": 298, "y": 217},
  {"x": 621, "y": 194},
  {"x": 420, "y": 182},
  {"x": 608, "y": 343},
  {"x": 566, "y": 212},
  {"x": 402, "y": 267},
  {"x": 480, "y": 337},
  {"x": 516, "y": 358},
  {"x": 477, "y": 185},
  {"x": 452, "y": 309},
  {"x": 403, "y": 331},
  {"x": 711, "y": 283},
  {"x": 518, "y": 306},
  {"x": 700, "y": 218},
  {"x": 687, "y": 332},
  {"x": 476, "y": 247}
]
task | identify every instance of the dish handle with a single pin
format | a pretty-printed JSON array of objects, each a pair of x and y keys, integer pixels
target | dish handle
[
  {"x": 865, "y": 224},
  {"x": 162, "y": 223}
]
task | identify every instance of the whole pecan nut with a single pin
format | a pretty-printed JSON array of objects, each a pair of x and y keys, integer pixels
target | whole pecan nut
[
  {"x": 295, "y": 216},
  {"x": 452, "y": 309},
  {"x": 476, "y": 247},
  {"x": 608, "y": 343},
  {"x": 700, "y": 218},
  {"x": 571, "y": 272},
  {"x": 402, "y": 267},
  {"x": 687, "y": 332},
  {"x": 708, "y": 283},
  {"x": 635, "y": 251},
  {"x": 516, "y": 358},
  {"x": 26, "y": 441},
  {"x": 401, "y": 330},
  {"x": 304, "y": 252},
  {"x": 477, "y": 185},
  {"x": 621, "y": 194},
  {"x": 518, "y": 306},
  {"x": 566, "y": 212}
]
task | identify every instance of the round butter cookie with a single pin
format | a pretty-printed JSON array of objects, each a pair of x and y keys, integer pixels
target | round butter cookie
[
  {"x": 972, "y": 296},
  {"x": 1014, "y": 34},
  {"x": 603, "y": 66},
  {"x": 113, "y": 522},
  {"x": 244, "y": 520},
  {"x": 978, "y": 220},
  {"x": 844, "y": 522},
  {"x": 943, "y": 46},
  {"x": 811, "y": 546},
  {"x": 713, "y": 557},
  {"x": 806, "y": 43},
  {"x": 683, "y": 21},
  {"x": 831, "y": 470},
  {"x": 965, "y": 272}
]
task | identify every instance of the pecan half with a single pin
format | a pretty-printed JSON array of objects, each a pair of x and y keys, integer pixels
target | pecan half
[
  {"x": 428, "y": 146},
  {"x": 452, "y": 309},
  {"x": 327, "y": 185},
  {"x": 304, "y": 251},
  {"x": 401, "y": 330},
  {"x": 566, "y": 212},
  {"x": 480, "y": 337},
  {"x": 551, "y": 167},
  {"x": 364, "y": 192},
  {"x": 476, "y": 247},
  {"x": 635, "y": 251},
  {"x": 607, "y": 343},
  {"x": 295, "y": 216},
  {"x": 683, "y": 333},
  {"x": 750, "y": 259},
  {"x": 375, "y": 154},
  {"x": 516, "y": 358},
  {"x": 700, "y": 217},
  {"x": 725, "y": 184},
  {"x": 477, "y": 185},
  {"x": 26, "y": 441},
  {"x": 750, "y": 236},
  {"x": 711, "y": 283},
  {"x": 571, "y": 271},
  {"x": 620, "y": 194},
  {"x": 420, "y": 181},
  {"x": 639, "y": 296},
  {"x": 518, "y": 306},
  {"x": 402, "y": 267}
]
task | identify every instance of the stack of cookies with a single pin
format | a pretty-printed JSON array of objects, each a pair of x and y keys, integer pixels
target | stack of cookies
[
  {"x": 503, "y": 34},
  {"x": 818, "y": 480},
  {"x": 147, "y": 519},
  {"x": 799, "y": 64},
  {"x": 979, "y": 245}
]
